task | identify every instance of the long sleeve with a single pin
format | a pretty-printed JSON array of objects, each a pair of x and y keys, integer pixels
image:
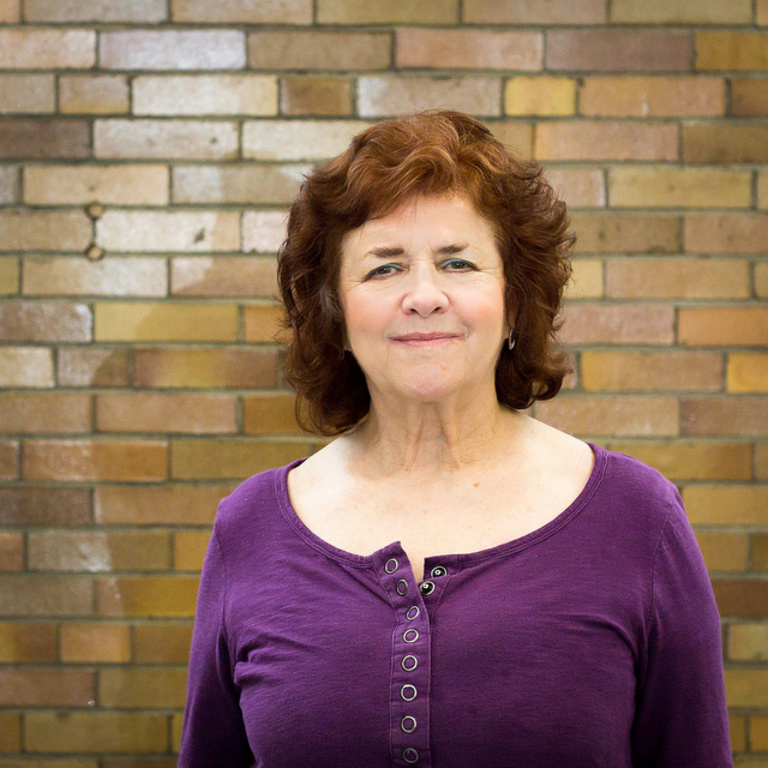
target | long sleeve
[
  {"x": 213, "y": 734},
  {"x": 681, "y": 717}
]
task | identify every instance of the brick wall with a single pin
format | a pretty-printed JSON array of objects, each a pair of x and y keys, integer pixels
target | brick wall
[{"x": 148, "y": 151}]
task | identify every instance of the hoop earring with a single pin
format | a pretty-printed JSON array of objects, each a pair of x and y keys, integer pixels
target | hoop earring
[{"x": 510, "y": 340}]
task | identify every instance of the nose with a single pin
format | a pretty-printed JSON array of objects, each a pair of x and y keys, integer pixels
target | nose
[{"x": 424, "y": 295}]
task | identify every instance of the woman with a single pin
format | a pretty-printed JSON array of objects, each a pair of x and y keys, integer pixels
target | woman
[{"x": 449, "y": 582}]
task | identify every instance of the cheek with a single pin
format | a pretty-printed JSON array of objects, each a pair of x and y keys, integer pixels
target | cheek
[{"x": 364, "y": 316}]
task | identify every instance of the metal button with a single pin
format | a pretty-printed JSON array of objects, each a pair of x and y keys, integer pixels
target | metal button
[
  {"x": 412, "y": 612},
  {"x": 408, "y": 724},
  {"x": 409, "y": 663},
  {"x": 391, "y": 565},
  {"x": 437, "y": 571},
  {"x": 410, "y": 755},
  {"x": 408, "y": 692},
  {"x": 411, "y": 635},
  {"x": 426, "y": 587},
  {"x": 402, "y": 587}
]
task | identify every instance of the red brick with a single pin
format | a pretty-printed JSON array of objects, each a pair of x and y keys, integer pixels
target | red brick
[
  {"x": 626, "y": 415},
  {"x": 243, "y": 184},
  {"x": 146, "y": 596},
  {"x": 741, "y": 597},
  {"x": 731, "y": 50},
  {"x": 44, "y": 321},
  {"x": 45, "y": 596},
  {"x": 44, "y": 139},
  {"x": 713, "y": 326},
  {"x": 82, "y": 460},
  {"x": 11, "y": 551},
  {"x": 148, "y": 11},
  {"x": 223, "y": 276},
  {"x": 387, "y": 12},
  {"x": 263, "y": 231},
  {"x": 224, "y": 367},
  {"x": 738, "y": 416},
  {"x": 603, "y": 140},
  {"x": 579, "y": 187},
  {"x": 468, "y": 49},
  {"x": 94, "y": 94},
  {"x": 242, "y": 12},
  {"x": 619, "y": 323},
  {"x": 172, "y": 49},
  {"x": 22, "y": 642},
  {"x": 726, "y": 233},
  {"x": 46, "y": 686},
  {"x": 26, "y": 367},
  {"x": 534, "y": 12},
  {"x": 51, "y": 412},
  {"x": 725, "y": 143},
  {"x": 161, "y": 643},
  {"x": 38, "y": 48},
  {"x": 619, "y": 50},
  {"x": 93, "y": 367},
  {"x": 9, "y": 461},
  {"x": 749, "y": 98},
  {"x": 625, "y": 233},
  {"x": 162, "y": 412},
  {"x": 29, "y": 506},
  {"x": 27, "y": 94}
]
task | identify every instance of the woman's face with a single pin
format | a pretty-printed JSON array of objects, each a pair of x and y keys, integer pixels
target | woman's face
[{"x": 422, "y": 291}]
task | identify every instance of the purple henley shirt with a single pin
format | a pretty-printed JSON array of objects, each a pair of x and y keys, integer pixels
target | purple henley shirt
[{"x": 593, "y": 642}]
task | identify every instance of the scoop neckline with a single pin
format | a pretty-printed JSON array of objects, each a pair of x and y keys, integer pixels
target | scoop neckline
[{"x": 460, "y": 559}]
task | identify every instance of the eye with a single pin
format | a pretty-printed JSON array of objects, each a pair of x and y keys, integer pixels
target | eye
[
  {"x": 458, "y": 265},
  {"x": 383, "y": 271}
]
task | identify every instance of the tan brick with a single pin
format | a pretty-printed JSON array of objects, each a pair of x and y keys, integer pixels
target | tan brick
[
  {"x": 711, "y": 326},
  {"x": 263, "y": 323},
  {"x": 724, "y": 552},
  {"x": 89, "y": 460},
  {"x": 627, "y": 415},
  {"x": 94, "y": 94},
  {"x": 9, "y": 184},
  {"x": 315, "y": 95},
  {"x": 725, "y": 143},
  {"x": 189, "y": 549},
  {"x": 749, "y": 98},
  {"x": 78, "y": 185},
  {"x": 95, "y": 643},
  {"x": 10, "y": 13},
  {"x": 760, "y": 552},
  {"x": 741, "y": 596},
  {"x": 748, "y": 372},
  {"x": 758, "y": 731},
  {"x": 762, "y": 193},
  {"x": 515, "y": 134},
  {"x": 392, "y": 95},
  {"x": 53, "y": 412},
  {"x": 161, "y": 231},
  {"x": 44, "y": 231},
  {"x": 11, "y": 551},
  {"x": 681, "y": 12},
  {"x": 46, "y": 686},
  {"x": 75, "y": 276},
  {"x": 147, "y": 596},
  {"x": 9, "y": 460},
  {"x": 387, "y": 12},
  {"x": 762, "y": 12},
  {"x": 172, "y": 49},
  {"x": 163, "y": 412},
  {"x": 746, "y": 687},
  {"x": 620, "y": 323},
  {"x": 738, "y": 732},
  {"x": 223, "y": 276},
  {"x": 334, "y": 51},
  {"x": 586, "y": 280},
  {"x": 26, "y": 367},
  {"x": 603, "y": 140},
  {"x": 45, "y": 596},
  {"x": 679, "y": 460},
  {"x": 579, "y": 187},
  {"x": 235, "y": 459},
  {"x": 244, "y": 184},
  {"x": 243, "y": 11},
  {"x": 98, "y": 551},
  {"x": 144, "y": 321},
  {"x": 29, "y": 506},
  {"x": 677, "y": 278},
  {"x": 664, "y": 187},
  {"x": 205, "y": 95},
  {"x": 9, "y": 276},
  {"x": 44, "y": 139},
  {"x": 10, "y": 723},
  {"x": 27, "y": 643},
  {"x": 93, "y": 367},
  {"x": 161, "y": 643},
  {"x": 761, "y": 461},
  {"x": 238, "y": 368},
  {"x": 534, "y": 12},
  {"x": 160, "y": 687},
  {"x": 745, "y": 415},
  {"x": 468, "y": 49},
  {"x": 726, "y": 233},
  {"x": 620, "y": 371},
  {"x": 270, "y": 414},
  {"x": 298, "y": 139},
  {"x": 95, "y": 10},
  {"x": 264, "y": 231},
  {"x": 40, "y": 48},
  {"x": 619, "y": 50},
  {"x": 731, "y": 50},
  {"x": 96, "y": 732},
  {"x": 727, "y": 504},
  {"x": 158, "y": 505},
  {"x": 26, "y": 94},
  {"x": 172, "y": 139},
  {"x": 44, "y": 321},
  {"x": 542, "y": 95}
]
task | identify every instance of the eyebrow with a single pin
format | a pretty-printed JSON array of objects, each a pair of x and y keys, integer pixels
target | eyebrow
[{"x": 387, "y": 252}]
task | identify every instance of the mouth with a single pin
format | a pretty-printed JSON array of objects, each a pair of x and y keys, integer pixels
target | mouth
[{"x": 425, "y": 339}]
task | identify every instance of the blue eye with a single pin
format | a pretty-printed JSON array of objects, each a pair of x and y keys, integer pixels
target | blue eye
[
  {"x": 383, "y": 271},
  {"x": 458, "y": 265}
]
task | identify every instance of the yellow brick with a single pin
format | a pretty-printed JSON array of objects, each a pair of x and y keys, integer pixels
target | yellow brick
[
  {"x": 94, "y": 94},
  {"x": 154, "y": 687},
  {"x": 263, "y": 323},
  {"x": 237, "y": 11},
  {"x": 270, "y": 414},
  {"x": 95, "y": 643},
  {"x": 710, "y": 326},
  {"x": 732, "y": 50},
  {"x": 663, "y": 187},
  {"x": 762, "y": 12},
  {"x": 9, "y": 275},
  {"x": 176, "y": 725},
  {"x": 146, "y": 596},
  {"x": 586, "y": 280},
  {"x": 540, "y": 96},
  {"x": 27, "y": 94},
  {"x": 726, "y": 552},
  {"x": 160, "y": 642},
  {"x": 727, "y": 505},
  {"x": 142, "y": 321},
  {"x": 758, "y": 733},
  {"x": 748, "y": 372},
  {"x": 748, "y": 642},
  {"x": 78, "y": 185},
  {"x": 387, "y": 12},
  {"x": 307, "y": 95},
  {"x": 681, "y": 12},
  {"x": 761, "y": 280},
  {"x": 189, "y": 549},
  {"x": 762, "y": 190},
  {"x": 746, "y": 687}
]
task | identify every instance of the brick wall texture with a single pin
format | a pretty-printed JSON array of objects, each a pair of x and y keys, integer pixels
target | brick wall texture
[{"x": 148, "y": 153}]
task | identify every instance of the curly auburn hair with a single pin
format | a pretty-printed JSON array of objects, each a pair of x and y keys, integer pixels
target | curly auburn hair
[{"x": 429, "y": 153}]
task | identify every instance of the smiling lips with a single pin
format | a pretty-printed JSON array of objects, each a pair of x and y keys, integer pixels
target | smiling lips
[{"x": 425, "y": 339}]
